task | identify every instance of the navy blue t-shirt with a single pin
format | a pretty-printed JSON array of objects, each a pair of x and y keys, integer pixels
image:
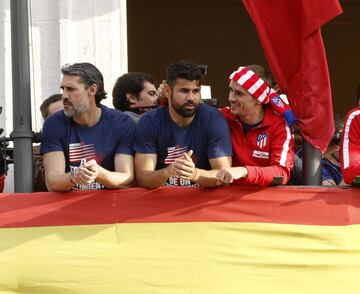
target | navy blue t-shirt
[
  {"x": 113, "y": 134},
  {"x": 207, "y": 135}
]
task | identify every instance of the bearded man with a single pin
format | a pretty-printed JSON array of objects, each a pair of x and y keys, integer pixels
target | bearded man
[
  {"x": 87, "y": 145},
  {"x": 185, "y": 142}
]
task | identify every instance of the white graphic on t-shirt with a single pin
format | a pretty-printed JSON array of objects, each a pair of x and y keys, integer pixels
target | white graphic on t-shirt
[
  {"x": 173, "y": 153},
  {"x": 79, "y": 151}
]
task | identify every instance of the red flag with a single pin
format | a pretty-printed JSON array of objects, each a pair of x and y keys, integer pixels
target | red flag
[{"x": 289, "y": 31}]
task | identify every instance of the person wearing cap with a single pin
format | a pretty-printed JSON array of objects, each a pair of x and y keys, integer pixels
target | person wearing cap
[
  {"x": 185, "y": 142},
  {"x": 261, "y": 138}
]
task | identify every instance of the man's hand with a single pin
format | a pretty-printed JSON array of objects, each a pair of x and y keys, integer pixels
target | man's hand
[
  {"x": 183, "y": 167},
  {"x": 87, "y": 173},
  {"x": 228, "y": 174}
]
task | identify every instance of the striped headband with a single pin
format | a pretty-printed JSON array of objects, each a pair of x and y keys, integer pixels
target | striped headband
[
  {"x": 262, "y": 92},
  {"x": 255, "y": 85}
]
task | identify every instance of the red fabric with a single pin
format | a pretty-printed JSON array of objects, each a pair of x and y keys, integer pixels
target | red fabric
[
  {"x": 247, "y": 152},
  {"x": 289, "y": 31},
  {"x": 282, "y": 205},
  {"x": 2, "y": 183},
  {"x": 350, "y": 146}
]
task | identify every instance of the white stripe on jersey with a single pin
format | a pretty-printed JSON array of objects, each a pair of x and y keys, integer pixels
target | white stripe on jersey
[
  {"x": 346, "y": 156},
  {"x": 285, "y": 149}
]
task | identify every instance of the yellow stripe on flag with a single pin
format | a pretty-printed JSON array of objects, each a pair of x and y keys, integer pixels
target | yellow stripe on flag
[{"x": 166, "y": 258}]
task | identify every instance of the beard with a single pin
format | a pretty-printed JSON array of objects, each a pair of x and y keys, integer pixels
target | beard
[
  {"x": 75, "y": 110},
  {"x": 182, "y": 110}
]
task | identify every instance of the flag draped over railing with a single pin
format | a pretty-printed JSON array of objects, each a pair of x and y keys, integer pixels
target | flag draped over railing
[
  {"x": 289, "y": 31},
  {"x": 181, "y": 240}
]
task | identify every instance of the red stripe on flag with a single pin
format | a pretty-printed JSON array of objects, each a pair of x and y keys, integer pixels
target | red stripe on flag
[{"x": 310, "y": 206}]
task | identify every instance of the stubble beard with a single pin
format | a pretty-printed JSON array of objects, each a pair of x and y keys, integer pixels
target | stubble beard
[
  {"x": 182, "y": 111},
  {"x": 76, "y": 111}
]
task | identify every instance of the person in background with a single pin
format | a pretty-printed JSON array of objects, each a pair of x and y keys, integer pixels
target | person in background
[
  {"x": 185, "y": 142},
  {"x": 330, "y": 162},
  {"x": 49, "y": 106},
  {"x": 135, "y": 93},
  {"x": 86, "y": 146},
  {"x": 262, "y": 141}
]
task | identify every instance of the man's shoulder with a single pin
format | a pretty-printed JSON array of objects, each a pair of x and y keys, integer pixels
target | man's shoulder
[
  {"x": 57, "y": 119},
  {"x": 354, "y": 112},
  {"x": 207, "y": 112},
  {"x": 204, "y": 108},
  {"x": 273, "y": 118},
  {"x": 116, "y": 116},
  {"x": 156, "y": 115},
  {"x": 226, "y": 112}
]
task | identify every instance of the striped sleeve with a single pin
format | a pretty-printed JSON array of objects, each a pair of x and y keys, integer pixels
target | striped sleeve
[{"x": 350, "y": 146}]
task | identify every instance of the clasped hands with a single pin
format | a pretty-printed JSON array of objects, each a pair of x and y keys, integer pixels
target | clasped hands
[
  {"x": 87, "y": 173},
  {"x": 183, "y": 167}
]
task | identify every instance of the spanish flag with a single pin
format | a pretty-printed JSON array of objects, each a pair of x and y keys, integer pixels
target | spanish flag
[{"x": 227, "y": 240}]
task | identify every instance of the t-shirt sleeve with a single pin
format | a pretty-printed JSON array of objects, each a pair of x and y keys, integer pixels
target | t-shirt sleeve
[
  {"x": 50, "y": 140},
  {"x": 126, "y": 137},
  {"x": 219, "y": 144},
  {"x": 145, "y": 140}
]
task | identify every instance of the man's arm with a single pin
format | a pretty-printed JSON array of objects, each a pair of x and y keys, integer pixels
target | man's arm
[
  {"x": 146, "y": 175},
  {"x": 55, "y": 176},
  {"x": 182, "y": 167},
  {"x": 207, "y": 178}
]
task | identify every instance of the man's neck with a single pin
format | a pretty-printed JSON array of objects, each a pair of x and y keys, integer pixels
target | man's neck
[
  {"x": 254, "y": 117},
  {"x": 179, "y": 120},
  {"x": 90, "y": 118}
]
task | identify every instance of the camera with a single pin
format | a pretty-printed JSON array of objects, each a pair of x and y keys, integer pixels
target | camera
[{"x": 7, "y": 154}]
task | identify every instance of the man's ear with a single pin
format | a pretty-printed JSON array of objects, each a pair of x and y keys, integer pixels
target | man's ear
[
  {"x": 167, "y": 91},
  {"x": 93, "y": 89},
  {"x": 131, "y": 98}
]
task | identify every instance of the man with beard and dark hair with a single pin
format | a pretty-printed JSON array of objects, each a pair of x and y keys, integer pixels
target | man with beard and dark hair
[
  {"x": 134, "y": 93},
  {"x": 185, "y": 142},
  {"x": 86, "y": 146}
]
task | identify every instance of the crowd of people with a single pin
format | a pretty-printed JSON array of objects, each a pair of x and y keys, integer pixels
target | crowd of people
[{"x": 182, "y": 142}]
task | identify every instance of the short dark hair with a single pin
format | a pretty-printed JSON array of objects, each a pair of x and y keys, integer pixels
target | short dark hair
[
  {"x": 89, "y": 75},
  {"x": 129, "y": 83},
  {"x": 44, "y": 107},
  {"x": 183, "y": 70}
]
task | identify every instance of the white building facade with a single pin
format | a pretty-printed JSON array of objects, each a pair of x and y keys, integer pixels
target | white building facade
[{"x": 60, "y": 32}]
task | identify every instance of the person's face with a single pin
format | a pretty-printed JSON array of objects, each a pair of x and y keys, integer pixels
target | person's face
[
  {"x": 75, "y": 96},
  {"x": 55, "y": 107},
  {"x": 184, "y": 97},
  {"x": 148, "y": 96},
  {"x": 241, "y": 102}
]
